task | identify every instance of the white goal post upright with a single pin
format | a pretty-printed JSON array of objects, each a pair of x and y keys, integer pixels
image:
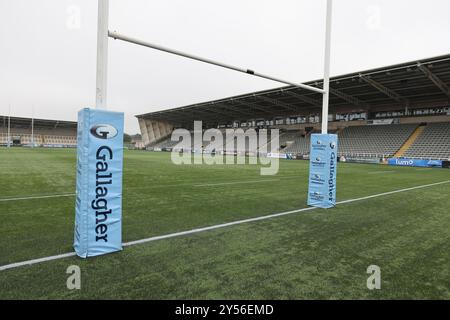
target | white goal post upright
[
  {"x": 98, "y": 204},
  {"x": 324, "y": 147},
  {"x": 9, "y": 127},
  {"x": 32, "y": 126},
  {"x": 102, "y": 54},
  {"x": 326, "y": 75}
]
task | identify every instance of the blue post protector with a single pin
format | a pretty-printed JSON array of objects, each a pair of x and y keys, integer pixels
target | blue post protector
[
  {"x": 98, "y": 206},
  {"x": 322, "y": 170}
]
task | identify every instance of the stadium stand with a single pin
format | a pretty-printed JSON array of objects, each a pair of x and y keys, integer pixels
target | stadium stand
[
  {"x": 38, "y": 132},
  {"x": 433, "y": 143},
  {"x": 168, "y": 144},
  {"x": 376, "y": 112},
  {"x": 363, "y": 141},
  {"x": 409, "y": 117},
  {"x": 380, "y": 140},
  {"x": 163, "y": 144},
  {"x": 295, "y": 142}
]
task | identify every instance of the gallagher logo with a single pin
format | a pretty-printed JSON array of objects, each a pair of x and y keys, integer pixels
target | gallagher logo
[
  {"x": 332, "y": 145},
  {"x": 104, "y": 131}
]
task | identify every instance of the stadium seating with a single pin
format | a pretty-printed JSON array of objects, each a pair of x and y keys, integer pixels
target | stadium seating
[
  {"x": 60, "y": 140},
  {"x": 40, "y": 139},
  {"x": 295, "y": 142},
  {"x": 165, "y": 143},
  {"x": 3, "y": 138},
  {"x": 361, "y": 141},
  {"x": 40, "y": 132},
  {"x": 380, "y": 140},
  {"x": 433, "y": 143}
]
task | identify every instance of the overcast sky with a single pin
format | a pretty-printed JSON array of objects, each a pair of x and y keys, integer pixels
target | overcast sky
[{"x": 48, "y": 48}]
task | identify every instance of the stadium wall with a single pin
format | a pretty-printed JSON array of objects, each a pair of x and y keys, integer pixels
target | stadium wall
[{"x": 428, "y": 119}]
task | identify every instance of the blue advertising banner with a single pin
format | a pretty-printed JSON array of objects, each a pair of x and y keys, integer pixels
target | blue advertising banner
[
  {"x": 407, "y": 162},
  {"x": 98, "y": 206},
  {"x": 322, "y": 171}
]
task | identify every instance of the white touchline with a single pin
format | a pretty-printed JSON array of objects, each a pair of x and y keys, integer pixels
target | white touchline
[
  {"x": 217, "y": 226},
  {"x": 38, "y": 197},
  {"x": 34, "y": 261}
]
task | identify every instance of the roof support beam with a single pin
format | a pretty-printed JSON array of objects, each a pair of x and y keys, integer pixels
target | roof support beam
[
  {"x": 213, "y": 110},
  {"x": 169, "y": 118},
  {"x": 435, "y": 79},
  {"x": 351, "y": 99},
  {"x": 204, "y": 115},
  {"x": 258, "y": 107},
  {"x": 235, "y": 108},
  {"x": 278, "y": 103},
  {"x": 306, "y": 99},
  {"x": 386, "y": 91},
  {"x": 180, "y": 116},
  {"x": 180, "y": 113}
]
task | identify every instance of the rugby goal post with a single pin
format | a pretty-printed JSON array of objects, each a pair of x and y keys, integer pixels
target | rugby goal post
[
  {"x": 100, "y": 147},
  {"x": 102, "y": 60}
]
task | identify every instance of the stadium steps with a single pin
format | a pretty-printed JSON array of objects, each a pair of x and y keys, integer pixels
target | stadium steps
[
  {"x": 339, "y": 130},
  {"x": 409, "y": 142}
]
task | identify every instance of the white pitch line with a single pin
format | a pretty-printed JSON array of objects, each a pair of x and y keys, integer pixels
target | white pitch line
[
  {"x": 218, "y": 226},
  {"x": 381, "y": 172},
  {"x": 393, "y": 192},
  {"x": 159, "y": 186},
  {"x": 38, "y": 197},
  {"x": 34, "y": 261},
  {"x": 231, "y": 183}
]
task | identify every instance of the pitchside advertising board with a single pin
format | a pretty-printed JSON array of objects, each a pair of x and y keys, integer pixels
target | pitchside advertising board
[
  {"x": 98, "y": 207},
  {"x": 406, "y": 162},
  {"x": 322, "y": 171}
]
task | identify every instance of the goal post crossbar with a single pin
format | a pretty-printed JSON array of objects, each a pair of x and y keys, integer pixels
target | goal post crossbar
[
  {"x": 118, "y": 36},
  {"x": 102, "y": 58}
]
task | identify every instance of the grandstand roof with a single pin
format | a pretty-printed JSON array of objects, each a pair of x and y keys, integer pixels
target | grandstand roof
[
  {"x": 413, "y": 84},
  {"x": 17, "y": 122}
]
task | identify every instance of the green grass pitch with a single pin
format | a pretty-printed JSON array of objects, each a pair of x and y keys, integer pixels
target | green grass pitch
[{"x": 306, "y": 255}]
